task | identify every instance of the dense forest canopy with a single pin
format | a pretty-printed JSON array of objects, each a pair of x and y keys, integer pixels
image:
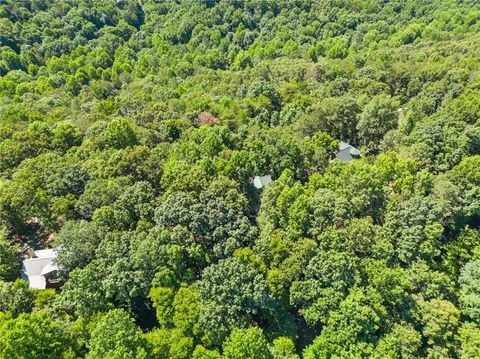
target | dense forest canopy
[{"x": 130, "y": 132}]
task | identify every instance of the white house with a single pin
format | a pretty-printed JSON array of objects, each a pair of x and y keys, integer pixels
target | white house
[
  {"x": 40, "y": 269},
  {"x": 346, "y": 152},
  {"x": 261, "y": 181}
]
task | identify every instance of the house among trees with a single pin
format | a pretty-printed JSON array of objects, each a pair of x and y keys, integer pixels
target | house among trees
[
  {"x": 40, "y": 270},
  {"x": 346, "y": 152},
  {"x": 261, "y": 181}
]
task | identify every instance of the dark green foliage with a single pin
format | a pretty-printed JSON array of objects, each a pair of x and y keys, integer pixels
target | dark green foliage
[
  {"x": 119, "y": 134},
  {"x": 233, "y": 294},
  {"x": 325, "y": 281},
  {"x": 66, "y": 135},
  {"x": 78, "y": 242},
  {"x": 16, "y": 297},
  {"x": 9, "y": 266}
]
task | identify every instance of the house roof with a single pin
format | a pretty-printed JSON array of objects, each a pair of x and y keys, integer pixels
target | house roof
[
  {"x": 353, "y": 151},
  {"x": 343, "y": 146},
  {"x": 35, "y": 268},
  {"x": 45, "y": 253},
  {"x": 49, "y": 268},
  {"x": 261, "y": 181}
]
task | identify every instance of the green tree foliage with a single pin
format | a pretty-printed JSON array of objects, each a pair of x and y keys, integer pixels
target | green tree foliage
[
  {"x": 470, "y": 339},
  {"x": 162, "y": 301},
  {"x": 246, "y": 343},
  {"x": 284, "y": 348},
  {"x": 166, "y": 343},
  {"x": 78, "y": 242},
  {"x": 16, "y": 297},
  {"x": 8, "y": 259},
  {"x": 402, "y": 342},
  {"x": 326, "y": 281},
  {"x": 33, "y": 335},
  {"x": 378, "y": 117},
  {"x": 117, "y": 336},
  {"x": 130, "y": 135},
  {"x": 233, "y": 293},
  {"x": 469, "y": 290},
  {"x": 440, "y": 324},
  {"x": 83, "y": 294},
  {"x": 352, "y": 330},
  {"x": 66, "y": 135},
  {"x": 120, "y": 134},
  {"x": 201, "y": 353}
]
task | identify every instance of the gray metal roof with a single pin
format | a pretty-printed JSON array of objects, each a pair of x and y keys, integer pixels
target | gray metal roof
[
  {"x": 346, "y": 151},
  {"x": 353, "y": 151},
  {"x": 261, "y": 181}
]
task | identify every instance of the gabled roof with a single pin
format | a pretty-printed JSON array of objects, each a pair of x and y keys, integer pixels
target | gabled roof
[
  {"x": 353, "y": 151},
  {"x": 49, "y": 268},
  {"x": 342, "y": 145},
  {"x": 45, "y": 253},
  {"x": 346, "y": 151},
  {"x": 261, "y": 181},
  {"x": 37, "y": 267}
]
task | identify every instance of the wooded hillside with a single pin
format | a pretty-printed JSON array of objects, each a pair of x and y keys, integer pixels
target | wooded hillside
[{"x": 130, "y": 135}]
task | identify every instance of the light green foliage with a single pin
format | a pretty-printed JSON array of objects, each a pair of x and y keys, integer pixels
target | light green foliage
[
  {"x": 201, "y": 353},
  {"x": 352, "y": 329},
  {"x": 283, "y": 348},
  {"x": 470, "y": 340},
  {"x": 166, "y": 343},
  {"x": 316, "y": 150},
  {"x": 44, "y": 298},
  {"x": 159, "y": 341},
  {"x": 440, "y": 319},
  {"x": 33, "y": 336},
  {"x": 470, "y": 290},
  {"x": 130, "y": 132},
  {"x": 393, "y": 285},
  {"x": 337, "y": 116},
  {"x": 117, "y": 336},
  {"x": 83, "y": 292},
  {"x": 78, "y": 242},
  {"x": 378, "y": 117},
  {"x": 66, "y": 135},
  {"x": 245, "y": 344},
  {"x": 162, "y": 300},
  {"x": 99, "y": 193},
  {"x": 402, "y": 342},
  {"x": 187, "y": 308}
]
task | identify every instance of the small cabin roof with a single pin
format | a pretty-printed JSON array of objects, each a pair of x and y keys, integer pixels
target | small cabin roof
[
  {"x": 45, "y": 253},
  {"x": 342, "y": 145},
  {"x": 36, "y": 267},
  {"x": 49, "y": 268},
  {"x": 343, "y": 149},
  {"x": 261, "y": 181}
]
